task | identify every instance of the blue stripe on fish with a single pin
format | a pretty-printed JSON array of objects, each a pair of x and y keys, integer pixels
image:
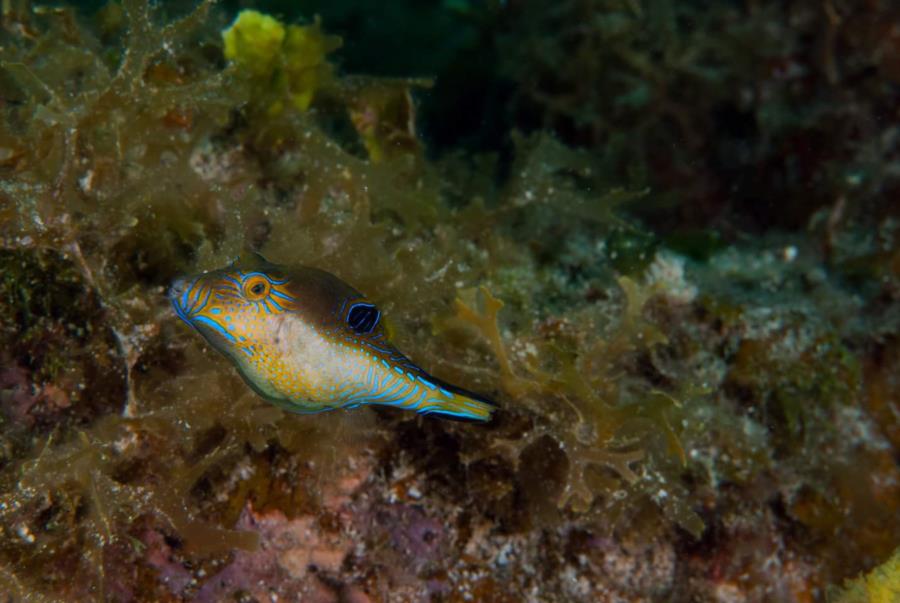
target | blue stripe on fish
[
  {"x": 211, "y": 323},
  {"x": 265, "y": 276},
  {"x": 283, "y": 296},
  {"x": 353, "y": 361}
]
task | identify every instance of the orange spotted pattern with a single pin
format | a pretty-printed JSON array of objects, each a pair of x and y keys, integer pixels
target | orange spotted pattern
[{"x": 307, "y": 341}]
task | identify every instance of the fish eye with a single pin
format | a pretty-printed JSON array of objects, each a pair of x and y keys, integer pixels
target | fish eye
[
  {"x": 363, "y": 317},
  {"x": 256, "y": 288}
]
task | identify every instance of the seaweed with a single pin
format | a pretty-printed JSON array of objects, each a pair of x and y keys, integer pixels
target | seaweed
[
  {"x": 283, "y": 63},
  {"x": 699, "y": 419},
  {"x": 880, "y": 585}
]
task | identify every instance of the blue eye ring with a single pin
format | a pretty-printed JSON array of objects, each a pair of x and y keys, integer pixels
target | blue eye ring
[{"x": 363, "y": 317}]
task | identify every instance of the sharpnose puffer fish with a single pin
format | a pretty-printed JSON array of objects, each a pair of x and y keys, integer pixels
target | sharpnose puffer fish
[{"x": 307, "y": 341}]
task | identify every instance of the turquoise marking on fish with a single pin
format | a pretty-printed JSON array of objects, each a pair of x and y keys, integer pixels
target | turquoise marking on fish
[{"x": 307, "y": 341}]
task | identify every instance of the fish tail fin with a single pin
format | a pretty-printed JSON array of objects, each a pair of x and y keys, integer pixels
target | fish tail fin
[{"x": 457, "y": 404}]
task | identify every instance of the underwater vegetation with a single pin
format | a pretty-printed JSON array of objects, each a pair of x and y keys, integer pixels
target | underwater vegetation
[
  {"x": 881, "y": 584},
  {"x": 680, "y": 281}
]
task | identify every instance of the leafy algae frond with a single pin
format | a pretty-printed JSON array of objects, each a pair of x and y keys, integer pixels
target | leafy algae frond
[
  {"x": 881, "y": 585},
  {"x": 598, "y": 437},
  {"x": 254, "y": 43},
  {"x": 485, "y": 321},
  {"x": 287, "y": 62}
]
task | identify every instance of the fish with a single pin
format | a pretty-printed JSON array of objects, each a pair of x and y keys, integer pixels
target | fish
[{"x": 308, "y": 342}]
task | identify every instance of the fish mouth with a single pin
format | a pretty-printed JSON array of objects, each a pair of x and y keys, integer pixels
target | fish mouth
[
  {"x": 190, "y": 298},
  {"x": 186, "y": 298}
]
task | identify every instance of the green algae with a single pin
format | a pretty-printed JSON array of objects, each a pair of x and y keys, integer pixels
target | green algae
[
  {"x": 881, "y": 585},
  {"x": 284, "y": 62}
]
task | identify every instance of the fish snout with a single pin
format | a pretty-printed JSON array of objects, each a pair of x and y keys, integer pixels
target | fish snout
[
  {"x": 179, "y": 285},
  {"x": 178, "y": 294}
]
